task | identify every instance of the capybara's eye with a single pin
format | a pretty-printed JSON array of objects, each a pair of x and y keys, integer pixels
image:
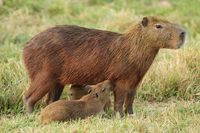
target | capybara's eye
[
  {"x": 71, "y": 94},
  {"x": 103, "y": 89},
  {"x": 158, "y": 26},
  {"x": 89, "y": 91}
]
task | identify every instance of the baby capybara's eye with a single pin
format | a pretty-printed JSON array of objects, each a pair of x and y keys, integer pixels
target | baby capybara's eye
[
  {"x": 103, "y": 89},
  {"x": 89, "y": 91},
  {"x": 158, "y": 26}
]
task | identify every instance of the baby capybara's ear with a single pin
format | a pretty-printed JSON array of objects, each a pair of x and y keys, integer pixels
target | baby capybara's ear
[
  {"x": 107, "y": 85},
  {"x": 88, "y": 88},
  {"x": 145, "y": 21}
]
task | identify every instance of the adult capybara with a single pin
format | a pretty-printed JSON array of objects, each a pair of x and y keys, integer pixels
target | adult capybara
[
  {"x": 76, "y": 55},
  {"x": 78, "y": 91},
  {"x": 88, "y": 105}
]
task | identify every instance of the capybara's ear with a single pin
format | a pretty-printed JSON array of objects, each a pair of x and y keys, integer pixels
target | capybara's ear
[
  {"x": 107, "y": 85},
  {"x": 86, "y": 88},
  {"x": 89, "y": 89},
  {"x": 145, "y": 21}
]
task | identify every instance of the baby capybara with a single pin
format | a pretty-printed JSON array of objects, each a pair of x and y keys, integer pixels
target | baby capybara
[
  {"x": 78, "y": 91},
  {"x": 75, "y": 55},
  {"x": 88, "y": 105}
]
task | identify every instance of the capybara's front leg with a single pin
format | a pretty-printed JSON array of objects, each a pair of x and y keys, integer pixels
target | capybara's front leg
[
  {"x": 119, "y": 96},
  {"x": 129, "y": 101},
  {"x": 118, "y": 102}
]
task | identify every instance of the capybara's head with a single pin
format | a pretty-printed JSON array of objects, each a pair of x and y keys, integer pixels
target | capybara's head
[
  {"x": 162, "y": 33},
  {"x": 101, "y": 90},
  {"x": 78, "y": 91}
]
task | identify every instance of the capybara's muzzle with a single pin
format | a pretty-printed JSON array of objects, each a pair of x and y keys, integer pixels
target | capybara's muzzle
[{"x": 182, "y": 37}]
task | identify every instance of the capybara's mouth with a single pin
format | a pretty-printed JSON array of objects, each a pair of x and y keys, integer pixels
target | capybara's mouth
[
  {"x": 182, "y": 39},
  {"x": 181, "y": 42}
]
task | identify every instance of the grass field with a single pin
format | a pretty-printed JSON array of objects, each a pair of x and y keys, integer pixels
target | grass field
[{"x": 168, "y": 100}]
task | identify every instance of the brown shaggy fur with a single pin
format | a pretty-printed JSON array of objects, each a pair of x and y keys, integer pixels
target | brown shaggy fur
[
  {"x": 75, "y": 55},
  {"x": 88, "y": 105}
]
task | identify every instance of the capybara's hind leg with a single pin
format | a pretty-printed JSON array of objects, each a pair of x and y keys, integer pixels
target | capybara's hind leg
[
  {"x": 54, "y": 94},
  {"x": 36, "y": 91}
]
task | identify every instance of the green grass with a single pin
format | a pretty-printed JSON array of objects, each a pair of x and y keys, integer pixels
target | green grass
[
  {"x": 149, "y": 117},
  {"x": 168, "y": 98}
]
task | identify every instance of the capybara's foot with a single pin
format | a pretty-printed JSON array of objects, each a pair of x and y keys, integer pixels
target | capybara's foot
[
  {"x": 131, "y": 115},
  {"x": 119, "y": 113},
  {"x": 27, "y": 104},
  {"x": 129, "y": 111}
]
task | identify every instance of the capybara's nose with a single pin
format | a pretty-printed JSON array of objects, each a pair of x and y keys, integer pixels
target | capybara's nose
[{"x": 182, "y": 34}]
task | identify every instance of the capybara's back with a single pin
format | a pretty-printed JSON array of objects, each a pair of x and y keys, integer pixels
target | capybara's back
[
  {"x": 61, "y": 110},
  {"x": 48, "y": 114},
  {"x": 56, "y": 51}
]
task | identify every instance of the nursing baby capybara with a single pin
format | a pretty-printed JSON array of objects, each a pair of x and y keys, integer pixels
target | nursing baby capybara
[
  {"x": 88, "y": 105},
  {"x": 75, "y": 55},
  {"x": 78, "y": 91}
]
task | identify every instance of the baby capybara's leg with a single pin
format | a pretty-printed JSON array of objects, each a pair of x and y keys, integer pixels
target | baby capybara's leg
[
  {"x": 119, "y": 96},
  {"x": 129, "y": 101},
  {"x": 36, "y": 91},
  {"x": 54, "y": 94}
]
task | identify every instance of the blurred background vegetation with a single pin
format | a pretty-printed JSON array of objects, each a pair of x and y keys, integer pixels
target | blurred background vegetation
[{"x": 175, "y": 74}]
